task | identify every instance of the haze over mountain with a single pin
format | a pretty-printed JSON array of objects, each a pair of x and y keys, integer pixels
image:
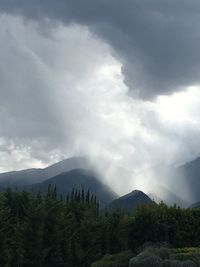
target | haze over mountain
[
  {"x": 170, "y": 197},
  {"x": 189, "y": 177},
  {"x": 178, "y": 185}
]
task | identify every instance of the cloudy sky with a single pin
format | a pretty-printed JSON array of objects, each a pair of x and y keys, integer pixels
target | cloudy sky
[{"x": 114, "y": 80}]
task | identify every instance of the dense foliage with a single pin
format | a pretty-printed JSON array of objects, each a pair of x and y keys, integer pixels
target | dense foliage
[
  {"x": 37, "y": 230},
  {"x": 164, "y": 257},
  {"x": 114, "y": 260}
]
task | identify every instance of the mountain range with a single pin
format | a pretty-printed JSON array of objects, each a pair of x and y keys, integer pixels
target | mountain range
[
  {"x": 78, "y": 172},
  {"x": 22, "y": 178}
]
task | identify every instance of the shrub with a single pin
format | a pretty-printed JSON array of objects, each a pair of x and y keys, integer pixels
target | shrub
[
  {"x": 189, "y": 264},
  {"x": 163, "y": 253},
  {"x": 182, "y": 256},
  {"x": 185, "y": 250},
  {"x": 145, "y": 259},
  {"x": 186, "y": 254},
  {"x": 153, "y": 257},
  {"x": 171, "y": 263},
  {"x": 114, "y": 260}
]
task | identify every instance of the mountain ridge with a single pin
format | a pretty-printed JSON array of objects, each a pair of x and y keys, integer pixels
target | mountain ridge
[
  {"x": 185, "y": 177},
  {"x": 76, "y": 179},
  {"x": 35, "y": 175}
]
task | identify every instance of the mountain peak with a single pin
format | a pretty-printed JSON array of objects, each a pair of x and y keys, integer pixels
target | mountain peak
[
  {"x": 132, "y": 194},
  {"x": 130, "y": 201}
]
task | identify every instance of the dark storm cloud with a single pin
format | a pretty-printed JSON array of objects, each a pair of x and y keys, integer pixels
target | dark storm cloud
[{"x": 157, "y": 41}]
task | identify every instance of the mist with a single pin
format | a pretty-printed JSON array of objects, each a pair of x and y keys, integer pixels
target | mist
[{"x": 63, "y": 93}]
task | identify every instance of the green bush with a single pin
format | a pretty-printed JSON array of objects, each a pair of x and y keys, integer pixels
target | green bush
[
  {"x": 154, "y": 257},
  {"x": 175, "y": 263},
  {"x": 171, "y": 263},
  {"x": 183, "y": 256},
  {"x": 186, "y": 254},
  {"x": 146, "y": 259},
  {"x": 189, "y": 264},
  {"x": 185, "y": 250},
  {"x": 114, "y": 260},
  {"x": 163, "y": 253}
]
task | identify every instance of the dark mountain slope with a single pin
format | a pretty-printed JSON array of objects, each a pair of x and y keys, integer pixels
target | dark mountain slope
[
  {"x": 76, "y": 179},
  {"x": 30, "y": 176},
  {"x": 130, "y": 201}
]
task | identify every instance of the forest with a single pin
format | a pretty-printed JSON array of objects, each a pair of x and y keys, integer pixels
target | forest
[{"x": 48, "y": 230}]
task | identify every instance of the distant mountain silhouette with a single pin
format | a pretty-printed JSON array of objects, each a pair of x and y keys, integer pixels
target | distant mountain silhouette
[
  {"x": 130, "y": 201},
  {"x": 76, "y": 179},
  {"x": 185, "y": 183},
  {"x": 168, "y": 197},
  {"x": 189, "y": 176},
  {"x": 25, "y": 177},
  {"x": 195, "y": 206},
  {"x": 180, "y": 185}
]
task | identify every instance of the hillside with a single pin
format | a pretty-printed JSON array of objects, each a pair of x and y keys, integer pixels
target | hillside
[{"x": 76, "y": 179}]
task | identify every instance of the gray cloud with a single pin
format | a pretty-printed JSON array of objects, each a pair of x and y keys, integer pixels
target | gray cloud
[
  {"x": 62, "y": 92},
  {"x": 53, "y": 91},
  {"x": 157, "y": 41}
]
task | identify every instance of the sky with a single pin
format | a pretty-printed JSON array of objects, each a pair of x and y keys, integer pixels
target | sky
[{"x": 116, "y": 81}]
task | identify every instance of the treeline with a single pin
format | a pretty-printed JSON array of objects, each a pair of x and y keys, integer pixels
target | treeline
[{"x": 37, "y": 230}]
